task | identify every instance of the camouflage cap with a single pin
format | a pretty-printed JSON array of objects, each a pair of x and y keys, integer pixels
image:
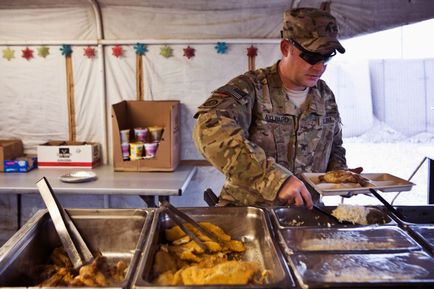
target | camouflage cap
[{"x": 315, "y": 30}]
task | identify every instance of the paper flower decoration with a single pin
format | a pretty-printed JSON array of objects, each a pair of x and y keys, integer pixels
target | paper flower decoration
[
  {"x": 189, "y": 52},
  {"x": 252, "y": 51},
  {"x": 43, "y": 51},
  {"x": 140, "y": 49},
  {"x": 221, "y": 47},
  {"x": 27, "y": 53},
  {"x": 117, "y": 51},
  {"x": 8, "y": 54},
  {"x": 89, "y": 52},
  {"x": 66, "y": 50},
  {"x": 166, "y": 51}
]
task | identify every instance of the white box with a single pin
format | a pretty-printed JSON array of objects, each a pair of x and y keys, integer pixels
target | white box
[{"x": 64, "y": 154}]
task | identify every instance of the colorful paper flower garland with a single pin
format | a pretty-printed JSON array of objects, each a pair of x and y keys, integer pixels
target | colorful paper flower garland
[{"x": 117, "y": 51}]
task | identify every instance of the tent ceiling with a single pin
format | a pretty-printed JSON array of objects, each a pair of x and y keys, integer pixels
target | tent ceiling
[{"x": 200, "y": 19}]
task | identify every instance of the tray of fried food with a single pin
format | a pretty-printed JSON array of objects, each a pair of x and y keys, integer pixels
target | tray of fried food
[
  {"x": 244, "y": 255},
  {"x": 346, "y": 182}
]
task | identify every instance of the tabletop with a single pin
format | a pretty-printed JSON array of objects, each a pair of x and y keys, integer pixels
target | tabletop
[{"x": 107, "y": 181}]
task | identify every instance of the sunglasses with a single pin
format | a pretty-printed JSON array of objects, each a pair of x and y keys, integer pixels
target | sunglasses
[{"x": 311, "y": 57}]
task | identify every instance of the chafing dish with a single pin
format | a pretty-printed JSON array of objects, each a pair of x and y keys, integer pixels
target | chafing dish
[
  {"x": 248, "y": 224},
  {"x": 292, "y": 216},
  {"x": 119, "y": 234}
]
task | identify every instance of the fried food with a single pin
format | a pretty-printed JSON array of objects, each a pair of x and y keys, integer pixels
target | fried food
[
  {"x": 228, "y": 272},
  {"x": 96, "y": 274},
  {"x": 340, "y": 176},
  {"x": 184, "y": 262}
]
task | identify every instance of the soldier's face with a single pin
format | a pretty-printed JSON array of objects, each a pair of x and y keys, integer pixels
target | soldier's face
[{"x": 297, "y": 72}]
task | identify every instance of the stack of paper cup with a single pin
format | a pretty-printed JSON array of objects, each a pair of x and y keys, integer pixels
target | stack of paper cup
[
  {"x": 156, "y": 132},
  {"x": 141, "y": 134}
]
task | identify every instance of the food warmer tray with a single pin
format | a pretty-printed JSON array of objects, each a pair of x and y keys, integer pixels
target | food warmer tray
[
  {"x": 292, "y": 216},
  {"x": 325, "y": 270},
  {"x": 248, "y": 224},
  {"x": 382, "y": 181},
  {"x": 119, "y": 234}
]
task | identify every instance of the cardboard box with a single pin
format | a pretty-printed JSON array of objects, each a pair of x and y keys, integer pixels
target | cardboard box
[
  {"x": 134, "y": 114},
  {"x": 21, "y": 164},
  {"x": 9, "y": 150},
  {"x": 65, "y": 154}
]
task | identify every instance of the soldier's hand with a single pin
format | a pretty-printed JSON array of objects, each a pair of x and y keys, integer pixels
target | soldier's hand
[{"x": 294, "y": 191}]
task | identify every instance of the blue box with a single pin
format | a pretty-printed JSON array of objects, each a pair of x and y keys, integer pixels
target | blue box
[{"x": 20, "y": 164}]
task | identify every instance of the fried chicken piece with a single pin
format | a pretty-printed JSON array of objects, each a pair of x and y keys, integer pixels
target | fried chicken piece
[
  {"x": 340, "y": 176},
  {"x": 163, "y": 262},
  {"x": 176, "y": 233},
  {"x": 234, "y": 246},
  {"x": 61, "y": 277},
  {"x": 229, "y": 272},
  {"x": 60, "y": 258}
]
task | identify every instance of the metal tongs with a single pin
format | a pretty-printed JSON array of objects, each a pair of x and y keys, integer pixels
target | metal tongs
[
  {"x": 72, "y": 242},
  {"x": 175, "y": 214}
]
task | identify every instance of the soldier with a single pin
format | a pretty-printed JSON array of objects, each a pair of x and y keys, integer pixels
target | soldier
[{"x": 266, "y": 127}]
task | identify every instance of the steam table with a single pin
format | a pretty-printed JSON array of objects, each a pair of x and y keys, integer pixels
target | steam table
[{"x": 147, "y": 185}]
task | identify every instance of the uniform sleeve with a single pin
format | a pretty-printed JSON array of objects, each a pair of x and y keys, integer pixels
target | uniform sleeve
[{"x": 221, "y": 135}]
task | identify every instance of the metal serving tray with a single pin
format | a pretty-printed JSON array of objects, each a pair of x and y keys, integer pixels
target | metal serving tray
[
  {"x": 372, "y": 239},
  {"x": 251, "y": 225},
  {"x": 286, "y": 217},
  {"x": 382, "y": 181},
  {"x": 416, "y": 214},
  {"x": 408, "y": 269},
  {"x": 119, "y": 234}
]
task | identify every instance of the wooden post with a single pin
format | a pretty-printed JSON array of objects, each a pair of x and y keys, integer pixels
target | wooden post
[
  {"x": 139, "y": 77},
  {"x": 70, "y": 96}
]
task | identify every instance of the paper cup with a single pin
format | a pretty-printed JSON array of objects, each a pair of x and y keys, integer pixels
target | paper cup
[
  {"x": 125, "y": 151},
  {"x": 156, "y": 132},
  {"x": 125, "y": 136},
  {"x": 136, "y": 150},
  {"x": 140, "y": 134},
  {"x": 151, "y": 149}
]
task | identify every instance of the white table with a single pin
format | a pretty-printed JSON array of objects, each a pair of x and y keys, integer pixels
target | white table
[{"x": 147, "y": 185}]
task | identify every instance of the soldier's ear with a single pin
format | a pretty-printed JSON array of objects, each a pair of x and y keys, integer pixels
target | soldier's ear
[{"x": 286, "y": 48}]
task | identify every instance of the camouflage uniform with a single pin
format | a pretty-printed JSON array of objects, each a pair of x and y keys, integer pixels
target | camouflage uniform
[{"x": 252, "y": 133}]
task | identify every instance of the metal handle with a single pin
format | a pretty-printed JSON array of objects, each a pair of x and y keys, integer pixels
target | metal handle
[{"x": 71, "y": 239}]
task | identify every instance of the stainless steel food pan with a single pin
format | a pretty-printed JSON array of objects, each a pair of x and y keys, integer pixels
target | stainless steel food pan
[
  {"x": 292, "y": 216},
  {"x": 367, "y": 239},
  {"x": 409, "y": 269},
  {"x": 416, "y": 214},
  {"x": 251, "y": 225},
  {"x": 119, "y": 234}
]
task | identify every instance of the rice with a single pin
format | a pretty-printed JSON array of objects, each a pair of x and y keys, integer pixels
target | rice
[{"x": 352, "y": 213}]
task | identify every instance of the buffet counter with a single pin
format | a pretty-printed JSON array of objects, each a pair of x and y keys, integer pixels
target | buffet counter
[{"x": 295, "y": 247}]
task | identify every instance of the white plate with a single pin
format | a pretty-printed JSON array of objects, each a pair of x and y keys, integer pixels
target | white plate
[{"x": 78, "y": 177}]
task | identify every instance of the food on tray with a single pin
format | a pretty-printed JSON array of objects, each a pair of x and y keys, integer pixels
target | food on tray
[
  {"x": 352, "y": 213},
  {"x": 60, "y": 272},
  {"x": 184, "y": 262},
  {"x": 343, "y": 243},
  {"x": 340, "y": 176}
]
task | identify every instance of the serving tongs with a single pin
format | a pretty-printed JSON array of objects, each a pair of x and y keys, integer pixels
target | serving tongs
[
  {"x": 72, "y": 242},
  {"x": 386, "y": 204},
  {"x": 176, "y": 215}
]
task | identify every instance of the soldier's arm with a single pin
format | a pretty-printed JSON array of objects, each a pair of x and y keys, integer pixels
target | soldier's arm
[{"x": 221, "y": 135}]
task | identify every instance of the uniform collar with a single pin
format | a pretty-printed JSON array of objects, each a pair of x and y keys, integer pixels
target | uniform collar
[{"x": 315, "y": 103}]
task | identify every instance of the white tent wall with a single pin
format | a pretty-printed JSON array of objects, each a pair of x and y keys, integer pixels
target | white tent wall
[
  {"x": 33, "y": 98},
  {"x": 402, "y": 91},
  {"x": 350, "y": 82}
]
